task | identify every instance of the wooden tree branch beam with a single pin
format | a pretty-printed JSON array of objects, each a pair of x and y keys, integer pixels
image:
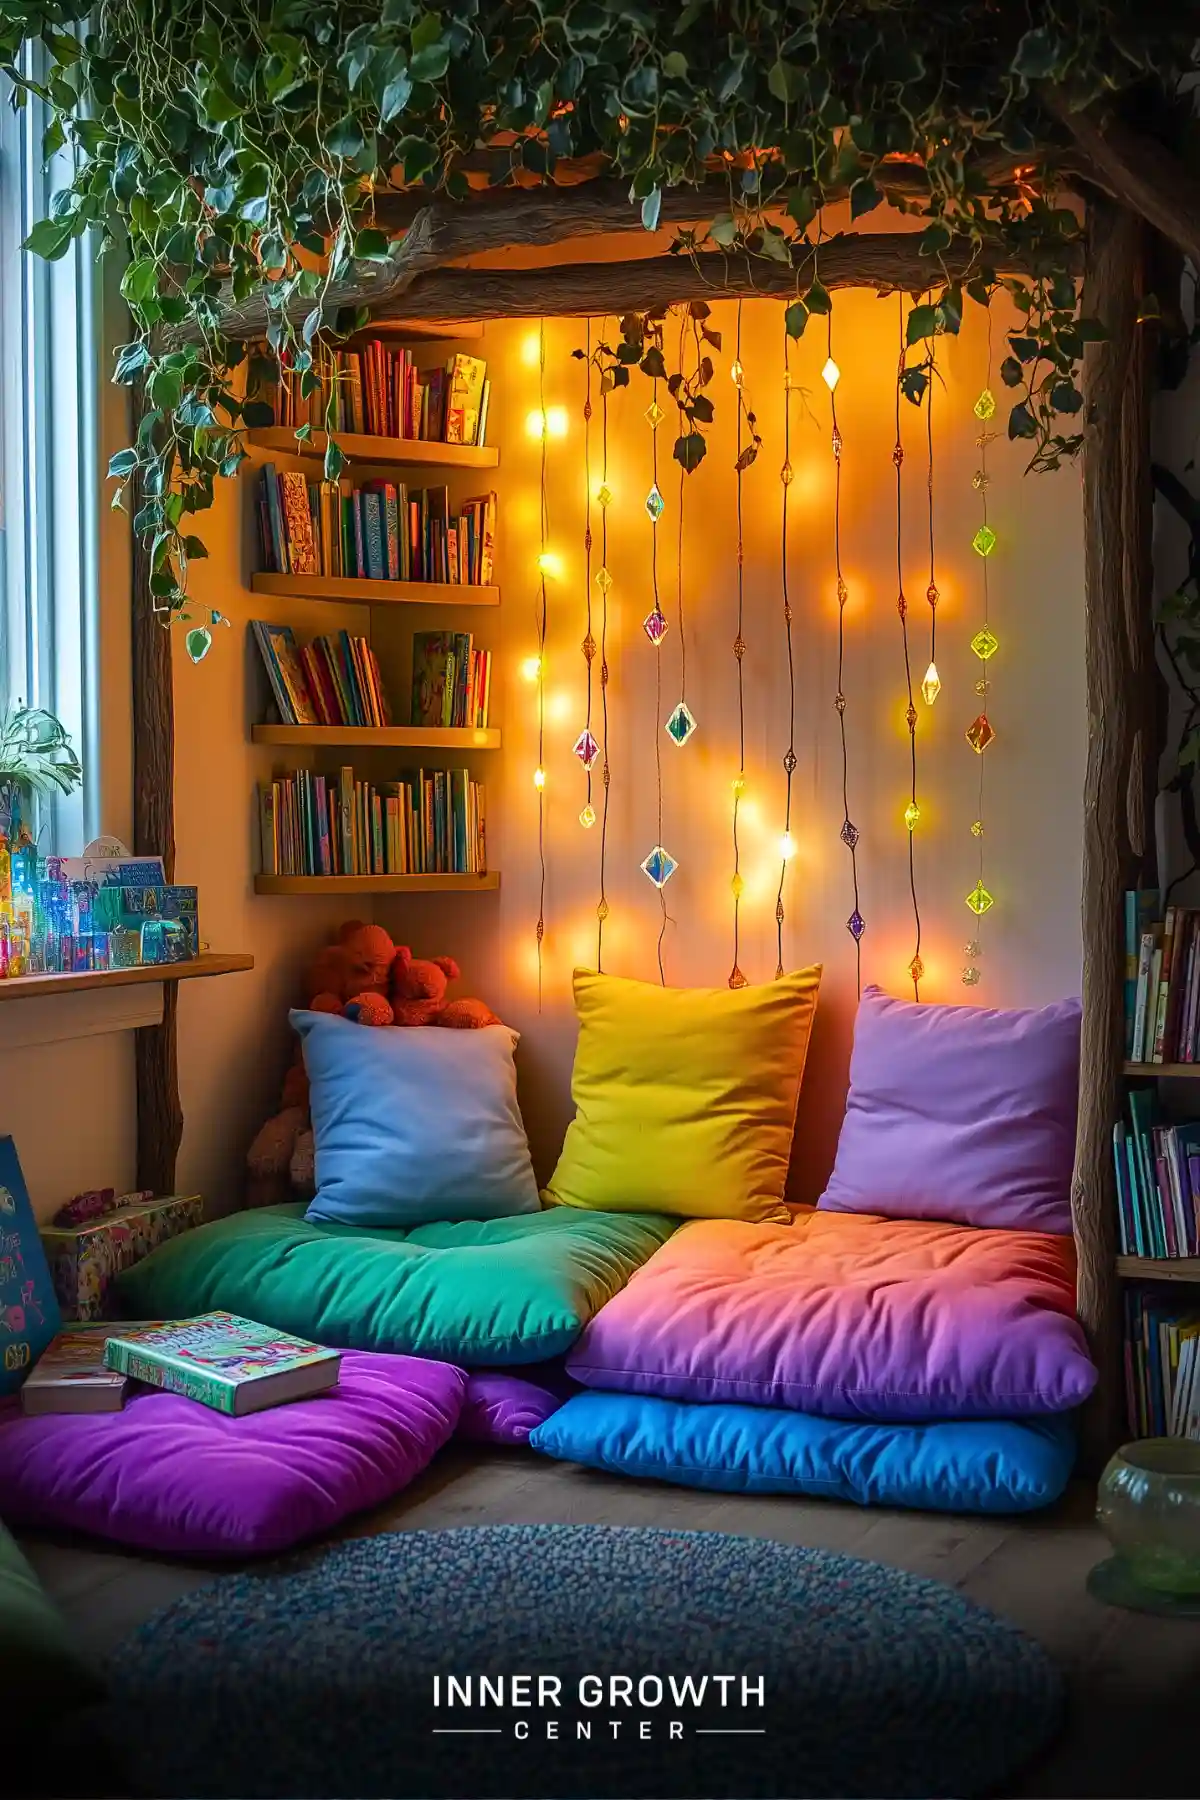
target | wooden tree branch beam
[
  {"x": 1144, "y": 174},
  {"x": 884, "y": 261}
]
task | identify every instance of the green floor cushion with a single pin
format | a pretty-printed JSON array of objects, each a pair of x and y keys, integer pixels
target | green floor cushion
[
  {"x": 479, "y": 1292},
  {"x": 45, "y": 1678}
]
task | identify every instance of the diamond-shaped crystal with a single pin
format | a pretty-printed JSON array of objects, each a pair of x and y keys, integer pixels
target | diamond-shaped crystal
[
  {"x": 916, "y": 969},
  {"x": 681, "y": 724},
  {"x": 736, "y": 978},
  {"x": 979, "y": 900},
  {"x": 970, "y": 976},
  {"x": 831, "y": 374},
  {"x": 602, "y": 910},
  {"x": 843, "y": 592},
  {"x": 898, "y": 454},
  {"x": 604, "y": 494},
  {"x": 739, "y": 646},
  {"x": 979, "y": 480},
  {"x": 912, "y": 815},
  {"x": 839, "y": 703},
  {"x": 902, "y": 606},
  {"x": 655, "y": 624},
  {"x": 655, "y": 503},
  {"x": 910, "y": 716},
  {"x": 789, "y": 762},
  {"x": 586, "y": 748},
  {"x": 660, "y": 865},
  {"x": 985, "y": 644},
  {"x": 737, "y": 885},
  {"x": 976, "y": 827},
  {"x": 603, "y": 579},
  {"x": 588, "y": 647},
  {"x": 932, "y": 594},
  {"x": 786, "y": 474},
  {"x": 849, "y": 835},
  {"x": 736, "y": 373},
  {"x": 931, "y": 687},
  {"x": 837, "y": 440},
  {"x": 587, "y": 817},
  {"x": 980, "y": 734},
  {"x": 856, "y": 925},
  {"x": 654, "y": 415},
  {"x": 985, "y": 406},
  {"x": 984, "y": 541},
  {"x": 738, "y": 784}
]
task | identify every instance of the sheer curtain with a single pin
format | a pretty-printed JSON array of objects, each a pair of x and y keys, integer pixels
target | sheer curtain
[{"x": 49, "y": 465}]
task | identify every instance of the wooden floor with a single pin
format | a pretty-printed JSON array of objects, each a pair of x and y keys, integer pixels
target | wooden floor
[{"x": 1134, "y": 1679}]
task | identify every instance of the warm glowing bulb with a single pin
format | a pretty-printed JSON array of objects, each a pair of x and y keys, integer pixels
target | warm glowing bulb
[
  {"x": 556, "y": 421},
  {"x": 931, "y": 687},
  {"x": 831, "y": 374},
  {"x": 549, "y": 565},
  {"x": 787, "y": 846},
  {"x": 531, "y": 668},
  {"x": 535, "y": 423},
  {"x": 539, "y": 779}
]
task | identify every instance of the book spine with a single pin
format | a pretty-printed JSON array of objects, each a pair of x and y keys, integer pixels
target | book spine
[
  {"x": 268, "y": 853},
  {"x": 1164, "y": 985},
  {"x": 1145, "y": 956},
  {"x": 157, "y": 1370}
]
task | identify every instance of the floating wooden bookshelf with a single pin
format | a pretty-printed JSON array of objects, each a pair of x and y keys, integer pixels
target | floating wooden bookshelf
[
  {"x": 365, "y": 592},
  {"x": 212, "y": 962},
  {"x": 415, "y": 453},
  {"x": 377, "y": 884},
  {"x": 393, "y": 737},
  {"x": 1171, "y": 1069},
  {"x": 1159, "y": 1268}
]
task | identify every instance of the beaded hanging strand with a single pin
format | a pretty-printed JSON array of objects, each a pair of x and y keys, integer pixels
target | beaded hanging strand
[
  {"x": 681, "y": 724},
  {"x": 736, "y": 978},
  {"x": 855, "y": 924},
  {"x": 586, "y": 747},
  {"x": 539, "y": 776},
  {"x": 931, "y": 686},
  {"x": 984, "y": 644},
  {"x": 660, "y": 865},
  {"x": 786, "y": 846},
  {"x": 604, "y": 583},
  {"x": 912, "y": 811}
]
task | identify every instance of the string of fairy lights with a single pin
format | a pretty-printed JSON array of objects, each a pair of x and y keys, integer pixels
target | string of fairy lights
[{"x": 591, "y": 746}]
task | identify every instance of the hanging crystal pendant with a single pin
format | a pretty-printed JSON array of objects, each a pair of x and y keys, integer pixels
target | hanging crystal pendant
[
  {"x": 985, "y": 644},
  {"x": 586, "y": 748},
  {"x": 659, "y": 866},
  {"x": 681, "y": 724},
  {"x": 912, "y": 815},
  {"x": 985, "y": 406},
  {"x": 736, "y": 978},
  {"x": 588, "y": 647},
  {"x": 970, "y": 976},
  {"x": 604, "y": 495},
  {"x": 979, "y": 900},
  {"x": 849, "y": 835},
  {"x": 831, "y": 374},
  {"x": 916, "y": 969},
  {"x": 856, "y": 925},
  {"x": 931, "y": 687},
  {"x": 654, "y": 415},
  {"x": 655, "y": 503},
  {"x": 602, "y": 910},
  {"x": 984, "y": 541},
  {"x": 972, "y": 950},
  {"x": 980, "y": 734},
  {"x": 736, "y": 373},
  {"x": 737, "y": 884},
  {"x": 787, "y": 474},
  {"x": 587, "y": 817},
  {"x": 976, "y": 827},
  {"x": 603, "y": 580},
  {"x": 655, "y": 625}
]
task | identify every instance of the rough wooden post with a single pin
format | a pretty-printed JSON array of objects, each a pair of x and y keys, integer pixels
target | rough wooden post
[
  {"x": 1110, "y": 472},
  {"x": 159, "y": 1115}
]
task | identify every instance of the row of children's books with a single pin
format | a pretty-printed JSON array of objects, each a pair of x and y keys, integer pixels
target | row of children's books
[
  {"x": 380, "y": 531},
  {"x": 452, "y": 681},
  {"x": 1162, "y": 980},
  {"x": 423, "y": 824},
  {"x": 378, "y": 390},
  {"x": 334, "y": 680},
  {"x": 1158, "y": 1182},
  {"x": 1162, "y": 1366}
]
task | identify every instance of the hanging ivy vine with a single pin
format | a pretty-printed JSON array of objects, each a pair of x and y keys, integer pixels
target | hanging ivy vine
[{"x": 232, "y": 147}]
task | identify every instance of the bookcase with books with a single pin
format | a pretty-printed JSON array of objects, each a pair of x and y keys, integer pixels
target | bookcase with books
[
  {"x": 376, "y": 541},
  {"x": 1156, "y": 1154}
]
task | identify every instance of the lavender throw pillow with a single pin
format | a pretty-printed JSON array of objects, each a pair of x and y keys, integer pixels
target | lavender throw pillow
[
  {"x": 502, "y": 1406},
  {"x": 960, "y": 1113}
]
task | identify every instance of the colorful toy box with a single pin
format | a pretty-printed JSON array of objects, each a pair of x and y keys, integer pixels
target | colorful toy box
[{"x": 85, "y": 1259}]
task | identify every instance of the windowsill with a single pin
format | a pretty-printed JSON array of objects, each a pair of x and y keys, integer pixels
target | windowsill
[
  {"x": 37, "y": 987},
  {"x": 58, "y": 1008}
]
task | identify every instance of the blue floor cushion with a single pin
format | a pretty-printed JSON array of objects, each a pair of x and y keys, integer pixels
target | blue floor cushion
[
  {"x": 491, "y": 1292},
  {"x": 953, "y": 1465}
]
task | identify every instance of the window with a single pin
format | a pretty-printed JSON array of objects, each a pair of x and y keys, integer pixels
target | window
[{"x": 49, "y": 463}]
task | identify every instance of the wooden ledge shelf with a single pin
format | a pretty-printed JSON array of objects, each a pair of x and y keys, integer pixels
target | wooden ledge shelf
[
  {"x": 377, "y": 884},
  {"x": 364, "y": 592},
  {"x": 394, "y": 737},
  {"x": 212, "y": 962},
  {"x": 416, "y": 453},
  {"x": 1171, "y": 1069},
  {"x": 1159, "y": 1268}
]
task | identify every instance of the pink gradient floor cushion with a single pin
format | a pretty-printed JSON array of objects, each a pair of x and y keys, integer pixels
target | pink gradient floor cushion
[
  {"x": 849, "y": 1317},
  {"x": 168, "y": 1475},
  {"x": 960, "y": 1112},
  {"x": 503, "y": 1406}
]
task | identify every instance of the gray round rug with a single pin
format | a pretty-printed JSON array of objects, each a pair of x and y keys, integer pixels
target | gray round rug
[{"x": 578, "y": 1660}]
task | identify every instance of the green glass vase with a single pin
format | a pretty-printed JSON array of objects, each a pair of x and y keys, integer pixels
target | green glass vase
[{"x": 1148, "y": 1506}]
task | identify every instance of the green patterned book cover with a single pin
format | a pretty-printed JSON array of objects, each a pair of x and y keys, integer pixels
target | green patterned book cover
[{"x": 231, "y": 1364}]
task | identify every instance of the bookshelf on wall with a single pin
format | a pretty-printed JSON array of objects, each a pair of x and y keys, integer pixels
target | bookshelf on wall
[{"x": 378, "y": 539}]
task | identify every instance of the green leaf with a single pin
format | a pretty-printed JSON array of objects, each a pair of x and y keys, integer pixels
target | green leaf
[
  {"x": 1021, "y": 422},
  {"x": 139, "y": 283},
  {"x": 817, "y": 300},
  {"x": 165, "y": 388},
  {"x": 122, "y": 463},
  {"x": 131, "y": 358},
  {"x": 785, "y": 80},
  {"x": 864, "y": 198},
  {"x": 723, "y": 231},
  {"x": 371, "y": 245},
  {"x": 936, "y": 237},
  {"x": 396, "y": 96},
  {"x": 1065, "y": 397},
  {"x": 653, "y": 364},
  {"x": 690, "y": 451},
  {"x": 1011, "y": 372},
  {"x": 675, "y": 64},
  {"x": 50, "y": 238},
  {"x": 256, "y": 413},
  {"x": 335, "y": 461},
  {"x": 431, "y": 63},
  {"x": 922, "y": 323},
  {"x": 796, "y": 318},
  {"x": 1036, "y": 57},
  {"x": 345, "y": 137},
  {"x": 418, "y": 157},
  {"x": 702, "y": 409},
  {"x": 651, "y": 207}
]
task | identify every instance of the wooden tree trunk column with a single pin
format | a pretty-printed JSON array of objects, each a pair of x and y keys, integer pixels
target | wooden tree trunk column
[{"x": 1113, "y": 467}]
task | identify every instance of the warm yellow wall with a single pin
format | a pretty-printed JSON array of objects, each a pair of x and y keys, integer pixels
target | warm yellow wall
[{"x": 1034, "y": 769}]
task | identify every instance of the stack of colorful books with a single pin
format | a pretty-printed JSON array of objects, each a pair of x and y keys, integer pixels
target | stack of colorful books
[
  {"x": 452, "y": 681},
  {"x": 335, "y": 680},
  {"x": 380, "y": 531},
  {"x": 1158, "y": 1182},
  {"x": 377, "y": 390},
  {"x": 1162, "y": 980},
  {"x": 1162, "y": 1366},
  {"x": 423, "y": 824}
]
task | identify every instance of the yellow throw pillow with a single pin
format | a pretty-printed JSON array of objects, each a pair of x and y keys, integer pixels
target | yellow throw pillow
[{"x": 685, "y": 1098}]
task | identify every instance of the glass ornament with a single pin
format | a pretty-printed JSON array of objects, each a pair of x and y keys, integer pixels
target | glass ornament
[
  {"x": 588, "y": 647},
  {"x": 985, "y": 644},
  {"x": 655, "y": 625},
  {"x": 984, "y": 541},
  {"x": 970, "y": 976},
  {"x": 979, "y": 900},
  {"x": 603, "y": 579},
  {"x": 681, "y": 724},
  {"x": 198, "y": 643},
  {"x": 979, "y": 480},
  {"x": 531, "y": 668},
  {"x": 976, "y": 827},
  {"x": 602, "y": 910},
  {"x": 933, "y": 594},
  {"x": 739, "y": 646},
  {"x": 972, "y": 950},
  {"x": 916, "y": 969},
  {"x": 549, "y": 564},
  {"x": 655, "y": 503},
  {"x": 980, "y": 734},
  {"x": 737, "y": 884},
  {"x": 912, "y": 815},
  {"x": 910, "y": 716},
  {"x": 654, "y": 415},
  {"x": 604, "y": 494},
  {"x": 1148, "y": 1506},
  {"x": 739, "y": 786},
  {"x": 586, "y": 748},
  {"x": 736, "y": 978},
  {"x": 736, "y": 373},
  {"x": 787, "y": 846},
  {"x": 587, "y": 817},
  {"x": 659, "y": 866},
  {"x": 831, "y": 374},
  {"x": 849, "y": 835},
  {"x": 931, "y": 687},
  {"x": 856, "y": 925},
  {"x": 985, "y": 406},
  {"x": 786, "y": 474},
  {"x": 539, "y": 778},
  {"x": 982, "y": 688}
]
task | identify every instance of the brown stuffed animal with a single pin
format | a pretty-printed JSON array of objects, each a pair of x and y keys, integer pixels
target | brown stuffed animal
[
  {"x": 418, "y": 994},
  {"x": 352, "y": 975}
]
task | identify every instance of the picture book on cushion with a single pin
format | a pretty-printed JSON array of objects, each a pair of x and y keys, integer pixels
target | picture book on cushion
[
  {"x": 412, "y": 1127},
  {"x": 685, "y": 1098},
  {"x": 849, "y": 1317},
  {"x": 963, "y": 1113}
]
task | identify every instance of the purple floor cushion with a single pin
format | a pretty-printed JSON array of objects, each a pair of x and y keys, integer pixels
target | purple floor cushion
[
  {"x": 168, "y": 1475},
  {"x": 503, "y": 1406}
]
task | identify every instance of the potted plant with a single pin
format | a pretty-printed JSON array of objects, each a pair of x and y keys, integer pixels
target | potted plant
[{"x": 37, "y": 761}]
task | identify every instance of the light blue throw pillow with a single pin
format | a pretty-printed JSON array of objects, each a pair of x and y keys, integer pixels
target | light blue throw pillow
[{"x": 415, "y": 1125}]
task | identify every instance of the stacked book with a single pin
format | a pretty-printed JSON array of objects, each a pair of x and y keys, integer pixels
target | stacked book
[
  {"x": 1162, "y": 980},
  {"x": 452, "y": 681},
  {"x": 423, "y": 824},
  {"x": 335, "y": 680},
  {"x": 377, "y": 390},
  {"x": 381, "y": 531},
  {"x": 1158, "y": 1182},
  {"x": 1162, "y": 1366}
]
